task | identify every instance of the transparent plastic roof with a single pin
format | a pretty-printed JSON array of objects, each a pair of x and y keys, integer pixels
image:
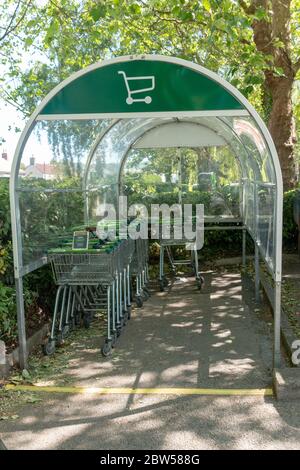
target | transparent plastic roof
[
  {"x": 94, "y": 150},
  {"x": 240, "y": 133}
]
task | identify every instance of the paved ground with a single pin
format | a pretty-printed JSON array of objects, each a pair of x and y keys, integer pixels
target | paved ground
[{"x": 181, "y": 338}]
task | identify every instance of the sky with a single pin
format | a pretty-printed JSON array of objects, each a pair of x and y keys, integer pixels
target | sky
[
  {"x": 37, "y": 146},
  {"x": 8, "y": 113},
  {"x": 9, "y": 117}
]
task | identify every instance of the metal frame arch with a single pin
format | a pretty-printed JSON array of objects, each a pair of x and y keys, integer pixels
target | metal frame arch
[{"x": 248, "y": 110}]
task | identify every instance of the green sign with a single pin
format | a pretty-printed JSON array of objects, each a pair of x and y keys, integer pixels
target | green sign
[{"x": 141, "y": 86}]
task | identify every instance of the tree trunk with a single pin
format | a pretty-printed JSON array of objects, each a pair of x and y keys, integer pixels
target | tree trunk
[
  {"x": 282, "y": 129},
  {"x": 272, "y": 36}
]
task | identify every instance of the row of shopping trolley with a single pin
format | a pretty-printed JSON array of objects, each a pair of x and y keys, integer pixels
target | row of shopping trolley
[{"x": 99, "y": 278}]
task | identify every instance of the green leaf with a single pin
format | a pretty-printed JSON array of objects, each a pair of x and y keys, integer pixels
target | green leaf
[
  {"x": 14, "y": 416},
  {"x": 254, "y": 80},
  {"x": 98, "y": 11},
  {"x": 33, "y": 399},
  {"x": 28, "y": 41},
  {"x": 206, "y": 5},
  {"x": 135, "y": 9},
  {"x": 176, "y": 11},
  {"x": 261, "y": 14},
  {"x": 52, "y": 31},
  {"x": 25, "y": 374},
  {"x": 279, "y": 72}
]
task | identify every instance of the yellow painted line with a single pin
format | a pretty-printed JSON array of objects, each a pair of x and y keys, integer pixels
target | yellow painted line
[{"x": 144, "y": 391}]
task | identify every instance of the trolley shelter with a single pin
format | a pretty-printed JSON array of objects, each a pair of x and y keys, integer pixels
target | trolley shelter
[{"x": 156, "y": 129}]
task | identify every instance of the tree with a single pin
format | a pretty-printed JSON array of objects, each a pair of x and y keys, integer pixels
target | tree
[
  {"x": 263, "y": 63},
  {"x": 252, "y": 43},
  {"x": 271, "y": 23},
  {"x": 12, "y": 15}
]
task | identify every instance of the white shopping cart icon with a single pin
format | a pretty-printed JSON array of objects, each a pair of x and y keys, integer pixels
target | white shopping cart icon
[{"x": 128, "y": 80}]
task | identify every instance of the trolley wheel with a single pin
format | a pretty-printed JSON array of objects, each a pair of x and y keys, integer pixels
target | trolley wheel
[
  {"x": 139, "y": 302},
  {"x": 106, "y": 349},
  {"x": 77, "y": 318},
  {"x": 200, "y": 282},
  {"x": 66, "y": 331},
  {"x": 49, "y": 347},
  {"x": 59, "y": 339},
  {"x": 119, "y": 331},
  {"x": 129, "y": 312},
  {"x": 114, "y": 339},
  {"x": 147, "y": 290},
  {"x": 161, "y": 286},
  {"x": 126, "y": 314},
  {"x": 71, "y": 324},
  {"x": 145, "y": 295},
  {"x": 87, "y": 321}
]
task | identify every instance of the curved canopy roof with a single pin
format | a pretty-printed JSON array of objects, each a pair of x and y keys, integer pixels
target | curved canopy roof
[
  {"x": 97, "y": 124},
  {"x": 139, "y": 102},
  {"x": 171, "y": 88}
]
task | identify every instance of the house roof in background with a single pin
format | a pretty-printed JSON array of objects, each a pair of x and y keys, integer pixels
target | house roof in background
[{"x": 46, "y": 168}]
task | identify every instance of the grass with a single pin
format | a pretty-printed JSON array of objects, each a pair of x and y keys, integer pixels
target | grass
[{"x": 47, "y": 370}]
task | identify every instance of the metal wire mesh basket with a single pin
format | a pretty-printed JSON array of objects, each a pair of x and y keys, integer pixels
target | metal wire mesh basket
[{"x": 83, "y": 268}]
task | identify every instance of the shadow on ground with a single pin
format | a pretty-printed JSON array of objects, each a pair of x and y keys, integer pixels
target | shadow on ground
[{"x": 216, "y": 338}]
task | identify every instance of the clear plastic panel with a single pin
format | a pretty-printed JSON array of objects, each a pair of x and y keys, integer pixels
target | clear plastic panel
[
  {"x": 254, "y": 142},
  {"x": 151, "y": 176},
  {"x": 249, "y": 205},
  {"x": 107, "y": 159},
  {"x": 208, "y": 175},
  {"x": 47, "y": 219},
  {"x": 50, "y": 183},
  {"x": 266, "y": 197},
  {"x": 98, "y": 199},
  {"x": 225, "y": 131},
  {"x": 56, "y": 151},
  {"x": 260, "y": 216}
]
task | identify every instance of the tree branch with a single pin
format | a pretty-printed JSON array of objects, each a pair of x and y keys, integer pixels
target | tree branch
[
  {"x": 7, "y": 29},
  {"x": 10, "y": 100},
  {"x": 10, "y": 27}
]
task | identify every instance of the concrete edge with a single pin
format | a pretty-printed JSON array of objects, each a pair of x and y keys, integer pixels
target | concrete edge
[
  {"x": 287, "y": 334},
  {"x": 286, "y": 383},
  {"x": 12, "y": 359}
]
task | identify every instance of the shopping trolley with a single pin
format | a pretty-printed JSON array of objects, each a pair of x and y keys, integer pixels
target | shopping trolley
[
  {"x": 129, "y": 81},
  {"x": 123, "y": 289},
  {"x": 167, "y": 240},
  {"x": 86, "y": 283},
  {"x": 96, "y": 278},
  {"x": 140, "y": 270}
]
